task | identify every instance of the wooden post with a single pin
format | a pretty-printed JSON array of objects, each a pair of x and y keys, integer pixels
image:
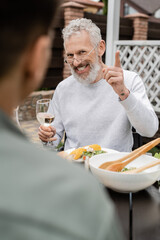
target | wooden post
[
  {"x": 112, "y": 31},
  {"x": 72, "y": 10},
  {"x": 140, "y": 25}
]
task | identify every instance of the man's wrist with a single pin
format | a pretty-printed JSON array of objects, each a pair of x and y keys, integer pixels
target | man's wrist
[{"x": 124, "y": 94}]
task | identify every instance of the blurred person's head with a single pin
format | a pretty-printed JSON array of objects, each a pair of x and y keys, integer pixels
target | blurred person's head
[
  {"x": 25, "y": 45},
  {"x": 84, "y": 48}
]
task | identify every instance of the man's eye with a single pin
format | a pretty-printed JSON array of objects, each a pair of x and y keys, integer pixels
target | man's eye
[
  {"x": 69, "y": 55},
  {"x": 82, "y": 52}
]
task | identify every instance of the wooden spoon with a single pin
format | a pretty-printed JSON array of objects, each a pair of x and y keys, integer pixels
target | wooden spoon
[
  {"x": 117, "y": 167},
  {"x": 149, "y": 165},
  {"x": 106, "y": 164}
]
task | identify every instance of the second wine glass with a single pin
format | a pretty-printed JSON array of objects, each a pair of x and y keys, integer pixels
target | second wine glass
[{"x": 43, "y": 116}]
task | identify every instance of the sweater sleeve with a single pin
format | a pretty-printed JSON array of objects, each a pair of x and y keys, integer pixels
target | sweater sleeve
[{"x": 139, "y": 110}]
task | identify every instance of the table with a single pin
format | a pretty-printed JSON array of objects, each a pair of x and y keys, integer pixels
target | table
[{"x": 139, "y": 213}]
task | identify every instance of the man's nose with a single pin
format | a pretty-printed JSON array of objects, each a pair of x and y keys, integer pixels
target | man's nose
[{"x": 76, "y": 61}]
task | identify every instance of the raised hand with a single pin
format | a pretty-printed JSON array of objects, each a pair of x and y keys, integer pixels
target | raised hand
[{"x": 114, "y": 76}]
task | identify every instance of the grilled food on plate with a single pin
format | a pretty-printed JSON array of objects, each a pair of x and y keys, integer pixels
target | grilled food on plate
[{"x": 86, "y": 152}]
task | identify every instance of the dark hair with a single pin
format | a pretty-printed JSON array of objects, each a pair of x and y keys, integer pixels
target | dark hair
[{"x": 21, "y": 23}]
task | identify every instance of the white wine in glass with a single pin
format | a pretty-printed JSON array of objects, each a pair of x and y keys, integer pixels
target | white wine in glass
[{"x": 43, "y": 116}]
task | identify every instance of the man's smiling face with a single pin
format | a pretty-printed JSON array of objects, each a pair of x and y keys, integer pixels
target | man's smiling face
[{"x": 84, "y": 67}]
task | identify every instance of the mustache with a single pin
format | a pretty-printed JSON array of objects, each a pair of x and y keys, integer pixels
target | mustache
[{"x": 82, "y": 65}]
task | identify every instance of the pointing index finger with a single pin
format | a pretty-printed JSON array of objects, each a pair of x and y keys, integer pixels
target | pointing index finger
[{"x": 117, "y": 59}]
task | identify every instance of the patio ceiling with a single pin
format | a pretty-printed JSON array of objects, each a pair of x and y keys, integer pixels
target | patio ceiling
[{"x": 145, "y": 6}]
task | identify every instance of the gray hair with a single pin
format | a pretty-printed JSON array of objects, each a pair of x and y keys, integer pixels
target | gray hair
[{"x": 77, "y": 25}]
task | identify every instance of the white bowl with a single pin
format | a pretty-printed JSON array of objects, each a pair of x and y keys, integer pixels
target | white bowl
[{"x": 122, "y": 182}]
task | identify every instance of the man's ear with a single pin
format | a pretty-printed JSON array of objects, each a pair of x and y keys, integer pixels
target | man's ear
[
  {"x": 101, "y": 48},
  {"x": 37, "y": 59}
]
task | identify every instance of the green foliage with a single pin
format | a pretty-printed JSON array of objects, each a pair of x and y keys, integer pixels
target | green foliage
[
  {"x": 154, "y": 150},
  {"x": 157, "y": 155},
  {"x": 44, "y": 89},
  {"x": 60, "y": 146},
  {"x": 105, "y": 8}
]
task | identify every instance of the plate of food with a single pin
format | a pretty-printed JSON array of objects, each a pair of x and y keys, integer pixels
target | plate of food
[{"x": 82, "y": 153}]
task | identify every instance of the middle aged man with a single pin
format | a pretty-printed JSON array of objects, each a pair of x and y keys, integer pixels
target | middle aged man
[{"x": 97, "y": 104}]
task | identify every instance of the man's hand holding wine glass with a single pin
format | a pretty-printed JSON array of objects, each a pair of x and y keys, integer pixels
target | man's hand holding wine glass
[{"x": 46, "y": 134}]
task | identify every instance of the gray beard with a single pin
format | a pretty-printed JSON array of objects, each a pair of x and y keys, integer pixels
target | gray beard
[{"x": 91, "y": 77}]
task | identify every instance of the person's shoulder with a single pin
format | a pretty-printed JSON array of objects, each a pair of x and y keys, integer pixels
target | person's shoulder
[
  {"x": 66, "y": 87},
  {"x": 36, "y": 162},
  {"x": 131, "y": 78},
  {"x": 31, "y": 155},
  {"x": 67, "y": 82},
  {"x": 64, "y": 188}
]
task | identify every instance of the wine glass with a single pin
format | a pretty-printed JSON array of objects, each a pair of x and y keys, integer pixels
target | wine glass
[
  {"x": 43, "y": 116},
  {"x": 15, "y": 116}
]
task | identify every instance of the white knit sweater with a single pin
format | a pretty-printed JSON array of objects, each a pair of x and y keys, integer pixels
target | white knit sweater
[{"x": 94, "y": 114}]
